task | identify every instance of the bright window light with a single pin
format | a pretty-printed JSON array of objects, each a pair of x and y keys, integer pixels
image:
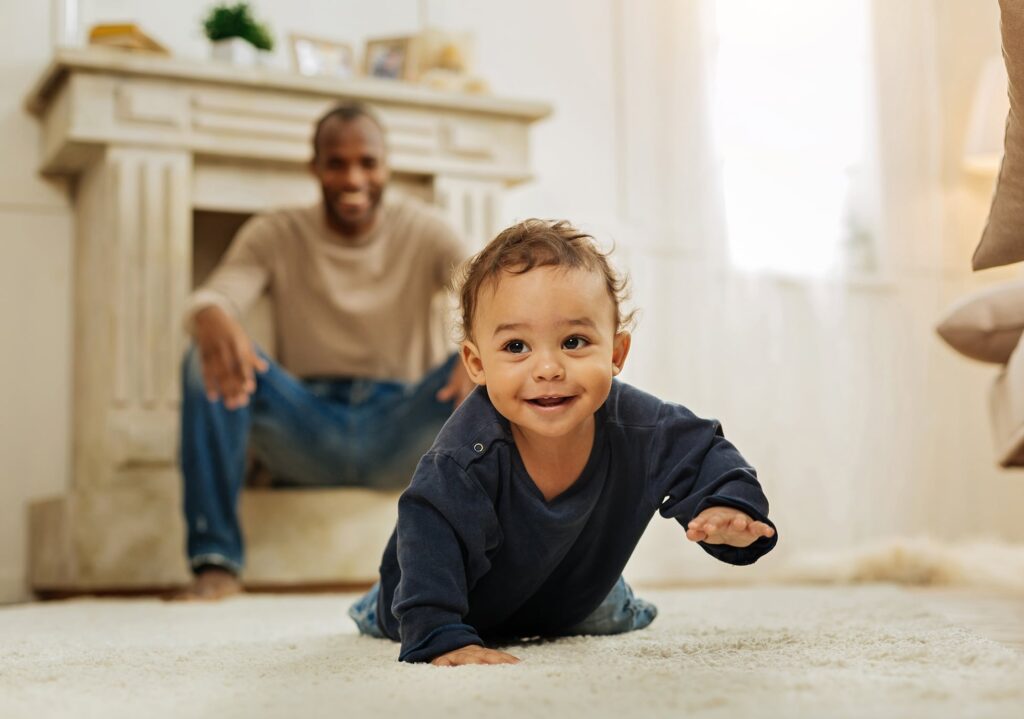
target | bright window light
[{"x": 790, "y": 117}]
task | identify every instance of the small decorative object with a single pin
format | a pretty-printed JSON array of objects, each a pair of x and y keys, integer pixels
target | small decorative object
[
  {"x": 127, "y": 36},
  {"x": 313, "y": 56},
  {"x": 445, "y": 50},
  {"x": 236, "y": 35},
  {"x": 444, "y": 62},
  {"x": 391, "y": 58}
]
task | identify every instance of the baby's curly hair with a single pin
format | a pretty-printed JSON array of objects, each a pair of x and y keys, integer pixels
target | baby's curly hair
[{"x": 537, "y": 243}]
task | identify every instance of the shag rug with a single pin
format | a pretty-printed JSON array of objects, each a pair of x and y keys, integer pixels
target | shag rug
[{"x": 863, "y": 651}]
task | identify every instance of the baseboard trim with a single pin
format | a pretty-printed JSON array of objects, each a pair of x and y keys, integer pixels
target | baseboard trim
[{"x": 13, "y": 589}]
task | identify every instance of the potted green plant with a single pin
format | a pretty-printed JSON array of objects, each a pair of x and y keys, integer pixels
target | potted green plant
[{"x": 235, "y": 34}]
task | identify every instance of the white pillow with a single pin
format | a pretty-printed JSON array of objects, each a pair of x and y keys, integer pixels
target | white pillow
[{"x": 988, "y": 324}]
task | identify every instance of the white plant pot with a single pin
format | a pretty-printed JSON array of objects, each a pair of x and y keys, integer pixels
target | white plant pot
[{"x": 236, "y": 51}]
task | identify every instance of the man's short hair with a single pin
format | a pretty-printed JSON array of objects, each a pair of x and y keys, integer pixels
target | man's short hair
[{"x": 345, "y": 111}]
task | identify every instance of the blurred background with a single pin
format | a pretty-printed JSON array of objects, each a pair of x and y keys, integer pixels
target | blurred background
[{"x": 794, "y": 187}]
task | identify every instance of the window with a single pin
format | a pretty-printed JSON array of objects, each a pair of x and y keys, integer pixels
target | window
[{"x": 791, "y": 120}]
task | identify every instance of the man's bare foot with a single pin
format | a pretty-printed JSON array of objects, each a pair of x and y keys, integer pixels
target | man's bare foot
[{"x": 211, "y": 584}]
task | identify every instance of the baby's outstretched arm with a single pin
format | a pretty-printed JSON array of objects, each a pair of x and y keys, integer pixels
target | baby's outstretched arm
[
  {"x": 473, "y": 654},
  {"x": 725, "y": 525}
]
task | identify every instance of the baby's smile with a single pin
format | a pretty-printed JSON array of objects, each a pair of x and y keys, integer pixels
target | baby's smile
[{"x": 551, "y": 401}]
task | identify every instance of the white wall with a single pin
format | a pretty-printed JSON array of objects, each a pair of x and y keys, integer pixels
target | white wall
[
  {"x": 35, "y": 299},
  {"x": 861, "y": 423}
]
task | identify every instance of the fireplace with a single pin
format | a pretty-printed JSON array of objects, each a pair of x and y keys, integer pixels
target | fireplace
[{"x": 166, "y": 158}]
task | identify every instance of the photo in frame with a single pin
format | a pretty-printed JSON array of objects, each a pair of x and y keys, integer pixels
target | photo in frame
[
  {"x": 390, "y": 58},
  {"x": 325, "y": 58}
]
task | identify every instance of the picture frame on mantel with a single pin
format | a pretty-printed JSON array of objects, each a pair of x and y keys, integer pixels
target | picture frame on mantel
[
  {"x": 390, "y": 58},
  {"x": 314, "y": 56}
]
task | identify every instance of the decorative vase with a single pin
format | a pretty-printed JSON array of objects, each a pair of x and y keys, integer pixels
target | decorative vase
[{"x": 236, "y": 51}]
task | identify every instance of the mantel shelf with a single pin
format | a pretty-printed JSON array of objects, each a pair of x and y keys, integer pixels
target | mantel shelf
[{"x": 120, "y": 62}]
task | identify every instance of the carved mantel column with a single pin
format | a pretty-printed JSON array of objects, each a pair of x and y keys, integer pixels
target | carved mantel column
[{"x": 132, "y": 274}]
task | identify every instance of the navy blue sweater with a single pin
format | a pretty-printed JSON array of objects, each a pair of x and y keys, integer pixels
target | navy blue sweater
[{"x": 478, "y": 552}]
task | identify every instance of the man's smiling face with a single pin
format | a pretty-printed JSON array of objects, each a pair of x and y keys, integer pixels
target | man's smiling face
[
  {"x": 351, "y": 165},
  {"x": 544, "y": 344}
]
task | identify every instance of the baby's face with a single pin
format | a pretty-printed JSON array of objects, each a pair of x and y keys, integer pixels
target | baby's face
[{"x": 545, "y": 346}]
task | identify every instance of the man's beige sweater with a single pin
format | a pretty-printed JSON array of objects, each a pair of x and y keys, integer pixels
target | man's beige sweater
[{"x": 348, "y": 307}]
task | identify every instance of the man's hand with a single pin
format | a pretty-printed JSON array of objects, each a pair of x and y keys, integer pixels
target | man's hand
[
  {"x": 459, "y": 385},
  {"x": 229, "y": 360},
  {"x": 473, "y": 654},
  {"x": 724, "y": 525}
]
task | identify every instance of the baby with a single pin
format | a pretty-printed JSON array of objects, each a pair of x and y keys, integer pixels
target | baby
[{"x": 521, "y": 517}]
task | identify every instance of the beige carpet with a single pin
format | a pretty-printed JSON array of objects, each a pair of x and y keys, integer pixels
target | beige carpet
[{"x": 869, "y": 651}]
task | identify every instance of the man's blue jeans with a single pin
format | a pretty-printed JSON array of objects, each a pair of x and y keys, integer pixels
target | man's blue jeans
[{"x": 307, "y": 433}]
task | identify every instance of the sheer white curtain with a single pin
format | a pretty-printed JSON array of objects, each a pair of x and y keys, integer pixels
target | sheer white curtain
[{"x": 804, "y": 322}]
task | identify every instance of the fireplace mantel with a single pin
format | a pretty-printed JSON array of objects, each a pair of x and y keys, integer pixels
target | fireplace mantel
[
  {"x": 147, "y": 141},
  {"x": 90, "y": 98}
]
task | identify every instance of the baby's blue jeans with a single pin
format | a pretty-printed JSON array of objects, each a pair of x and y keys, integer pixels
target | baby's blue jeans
[
  {"x": 307, "y": 433},
  {"x": 620, "y": 612}
]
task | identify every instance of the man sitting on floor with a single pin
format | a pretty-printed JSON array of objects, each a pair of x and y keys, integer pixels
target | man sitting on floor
[{"x": 362, "y": 385}]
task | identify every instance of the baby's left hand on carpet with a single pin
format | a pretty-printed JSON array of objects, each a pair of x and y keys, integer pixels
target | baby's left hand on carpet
[{"x": 725, "y": 525}]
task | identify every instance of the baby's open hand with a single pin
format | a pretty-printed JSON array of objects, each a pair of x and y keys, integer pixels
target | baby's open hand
[
  {"x": 473, "y": 654},
  {"x": 725, "y": 525}
]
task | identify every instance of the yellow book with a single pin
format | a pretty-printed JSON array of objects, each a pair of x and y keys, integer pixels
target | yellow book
[{"x": 124, "y": 35}]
